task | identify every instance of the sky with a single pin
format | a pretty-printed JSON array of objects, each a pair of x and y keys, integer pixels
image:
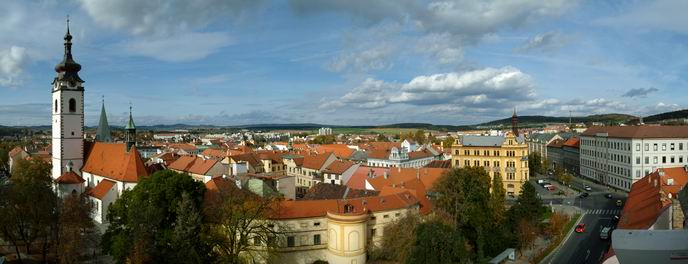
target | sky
[{"x": 353, "y": 62}]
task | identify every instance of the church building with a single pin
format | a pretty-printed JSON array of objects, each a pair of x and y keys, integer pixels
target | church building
[{"x": 102, "y": 168}]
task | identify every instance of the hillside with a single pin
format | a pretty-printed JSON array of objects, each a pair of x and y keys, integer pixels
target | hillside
[
  {"x": 536, "y": 120},
  {"x": 680, "y": 114}
]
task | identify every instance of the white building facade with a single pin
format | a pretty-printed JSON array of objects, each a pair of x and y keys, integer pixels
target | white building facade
[{"x": 619, "y": 156}]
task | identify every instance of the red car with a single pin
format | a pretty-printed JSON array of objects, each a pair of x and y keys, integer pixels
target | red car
[{"x": 580, "y": 228}]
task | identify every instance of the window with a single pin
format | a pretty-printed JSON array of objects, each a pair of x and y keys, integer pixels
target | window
[
  {"x": 72, "y": 105},
  {"x": 496, "y": 163},
  {"x": 476, "y": 163},
  {"x": 664, "y": 147},
  {"x": 672, "y": 159},
  {"x": 510, "y": 176},
  {"x": 680, "y": 159},
  {"x": 385, "y": 216},
  {"x": 316, "y": 239},
  {"x": 654, "y": 147},
  {"x": 654, "y": 160},
  {"x": 55, "y": 105},
  {"x": 637, "y": 147},
  {"x": 647, "y": 160},
  {"x": 397, "y": 214},
  {"x": 637, "y": 160},
  {"x": 680, "y": 146},
  {"x": 291, "y": 241},
  {"x": 663, "y": 159},
  {"x": 671, "y": 147},
  {"x": 486, "y": 163},
  {"x": 647, "y": 147}
]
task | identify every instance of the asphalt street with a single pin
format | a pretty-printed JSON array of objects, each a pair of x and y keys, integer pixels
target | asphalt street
[{"x": 586, "y": 247}]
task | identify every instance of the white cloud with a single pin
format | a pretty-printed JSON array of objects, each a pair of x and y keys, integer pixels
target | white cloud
[
  {"x": 374, "y": 58},
  {"x": 162, "y": 18},
  {"x": 663, "y": 107},
  {"x": 545, "y": 42},
  {"x": 483, "y": 88},
  {"x": 441, "y": 47},
  {"x": 12, "y": 61},
  {"x": 181, "y": 47}
]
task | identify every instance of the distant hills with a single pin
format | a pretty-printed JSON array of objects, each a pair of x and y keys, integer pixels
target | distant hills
[
  {"x": 524, "y": 121},
  {"x": 537, "y": 120}
]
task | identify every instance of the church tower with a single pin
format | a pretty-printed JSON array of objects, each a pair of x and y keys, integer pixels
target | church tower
[
  {"x": 514, "y": 123},
  {"x": 130, "y": 130},
  {"x": 67, "y": 113},
  {"x": 103, "y": 133}
]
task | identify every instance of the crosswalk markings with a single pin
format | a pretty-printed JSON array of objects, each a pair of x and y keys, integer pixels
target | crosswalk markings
[{"x": 603, "y": 211}]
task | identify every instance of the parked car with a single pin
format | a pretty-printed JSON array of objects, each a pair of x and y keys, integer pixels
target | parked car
[
  {"x": 587, "y": 188},
  {"x": 619, "y": 203},
  {"x": 605, "y": 232},
  {"x": 583, "y": 195},
  {"x": 551, "y": 187},
  {"x": 616, "y": 218},
  {"x": 580, "y": 228},
  {"x": 541, "y": 181},
  {"x": 609, "y": 196}
]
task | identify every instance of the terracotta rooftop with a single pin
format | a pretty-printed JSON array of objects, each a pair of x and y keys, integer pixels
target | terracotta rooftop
[
  {"x": 557, "y": 143},
  {"x": 397, "y": 176},
  {"x": 185, "y": 147},
  {"x": 342, "y": 151},
  {"x": 316, "y": 162},
  {"x": 420, "y": 154},
  {"x": 15, "y": 151},
  {"x": 69, "y": 177},
  {"x": 358, "y": 179},
  {"x": 339, "y": 167},
  {"x": 649, "y": 197},
  {"x": 573, "y": 142},
  {"x": 325, "y": 191},
  {"x": 639, "y": 131},
  {"x": 442, "y": 164},
  {"x": 319, "y": 208},
  {"x": 193, "y": 164},
  {"x": 379, "y": 153},
  {"x": 102, "y": 189},
  {"x": 112, "y": 161}
]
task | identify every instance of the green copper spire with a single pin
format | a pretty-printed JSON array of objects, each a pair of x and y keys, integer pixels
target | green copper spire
[
  {"x": 103, "y": 133},
  {"x": 130, "y": 132},
  {"x": 130, "y": 125}
]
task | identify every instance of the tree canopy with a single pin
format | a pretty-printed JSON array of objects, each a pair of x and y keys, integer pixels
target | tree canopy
[{"x": 142, "y": 220}]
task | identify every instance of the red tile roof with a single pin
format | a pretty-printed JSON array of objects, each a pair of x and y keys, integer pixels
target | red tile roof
[
  {"x": 639, "y": 131},
  {"x": 185, "y": 147},
  {"x": 397, "y": 176},
  {"x": 111, "y": 160},
  {"x": 358, "y": 179},
  {"x": 648, "y": 197},
  {"x": 316, "y": 162},
  {"x": 573, "y": 142},
  {"x": 194, "y": 165},
  {"x": 379, "y": 154},
  {"x": 319, "y": 208},
  {"x": 339, "y": 167},
  {"x": 69, "y": 177},
  {"x": 420, "y": 154},
  {"x": 342, "y": 151},
  {"x": 102, "y": 189}
]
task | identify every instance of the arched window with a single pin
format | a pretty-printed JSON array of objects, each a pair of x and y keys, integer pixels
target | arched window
[
  {"x": 72, "y": 105},
  {"x": 348, "y": 208},
  {"x": 55, "y": 105}
]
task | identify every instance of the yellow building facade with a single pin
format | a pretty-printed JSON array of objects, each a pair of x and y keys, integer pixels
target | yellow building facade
[{"x": 503, "y": 156}]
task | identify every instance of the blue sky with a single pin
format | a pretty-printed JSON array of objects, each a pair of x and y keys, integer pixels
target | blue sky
[{"x": 354, "y": 62}]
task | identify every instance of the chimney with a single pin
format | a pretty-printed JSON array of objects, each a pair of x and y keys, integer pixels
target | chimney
[
  {"x": 370, "y": 173},
  {"x": 670, "y": 181},
  {"x": 685, "y": 168},
  {"x": 386, "y": 175},
  {"x": 654, "y": 183},
  {"x": 661, "y": 172}
]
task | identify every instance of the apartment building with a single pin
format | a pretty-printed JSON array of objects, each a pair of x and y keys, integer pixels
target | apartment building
[
  {"x": 621, "y": 155},
  {"x": 501, "y": 156}
]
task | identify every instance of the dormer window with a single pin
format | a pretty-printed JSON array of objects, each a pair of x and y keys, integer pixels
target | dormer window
[{"x": 72, "y": 105}]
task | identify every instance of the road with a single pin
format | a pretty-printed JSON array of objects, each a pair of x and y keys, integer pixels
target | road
[{"x": 585, "y": 247}]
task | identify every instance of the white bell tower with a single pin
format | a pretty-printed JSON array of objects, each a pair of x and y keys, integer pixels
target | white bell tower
[{"x": 68, "y": 113}]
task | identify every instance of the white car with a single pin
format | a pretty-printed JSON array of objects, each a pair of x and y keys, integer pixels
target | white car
[{"x": 587, "y": 188}]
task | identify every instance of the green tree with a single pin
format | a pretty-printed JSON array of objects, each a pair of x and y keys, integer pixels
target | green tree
[
  {"x": 448, "y": 142},
  {"x": 419, "y": 137},
  {"x": 545, "y": 165},
  {"x": 28, "y": 207},
  {"x": 528, "y": 205},
  {"x": 535, "y": 163},
  {"x": 187, "y": 231},
  {"x": 75, "y": 228},
  {"x": 497, "y": 199},
  {"x": 238, "y": 222},
  {"x": 437, "y": 242},
  {"x": 4, "y": 159},
  {"x": 464, "y": 194},
  {"x": 397, "y": 241},
  {"x": 142, "y": 220},
  {"x": 382, "y": 138}
]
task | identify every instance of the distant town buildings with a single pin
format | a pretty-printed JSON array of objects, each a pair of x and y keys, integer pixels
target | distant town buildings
[{"x": 325, "y": 131}]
